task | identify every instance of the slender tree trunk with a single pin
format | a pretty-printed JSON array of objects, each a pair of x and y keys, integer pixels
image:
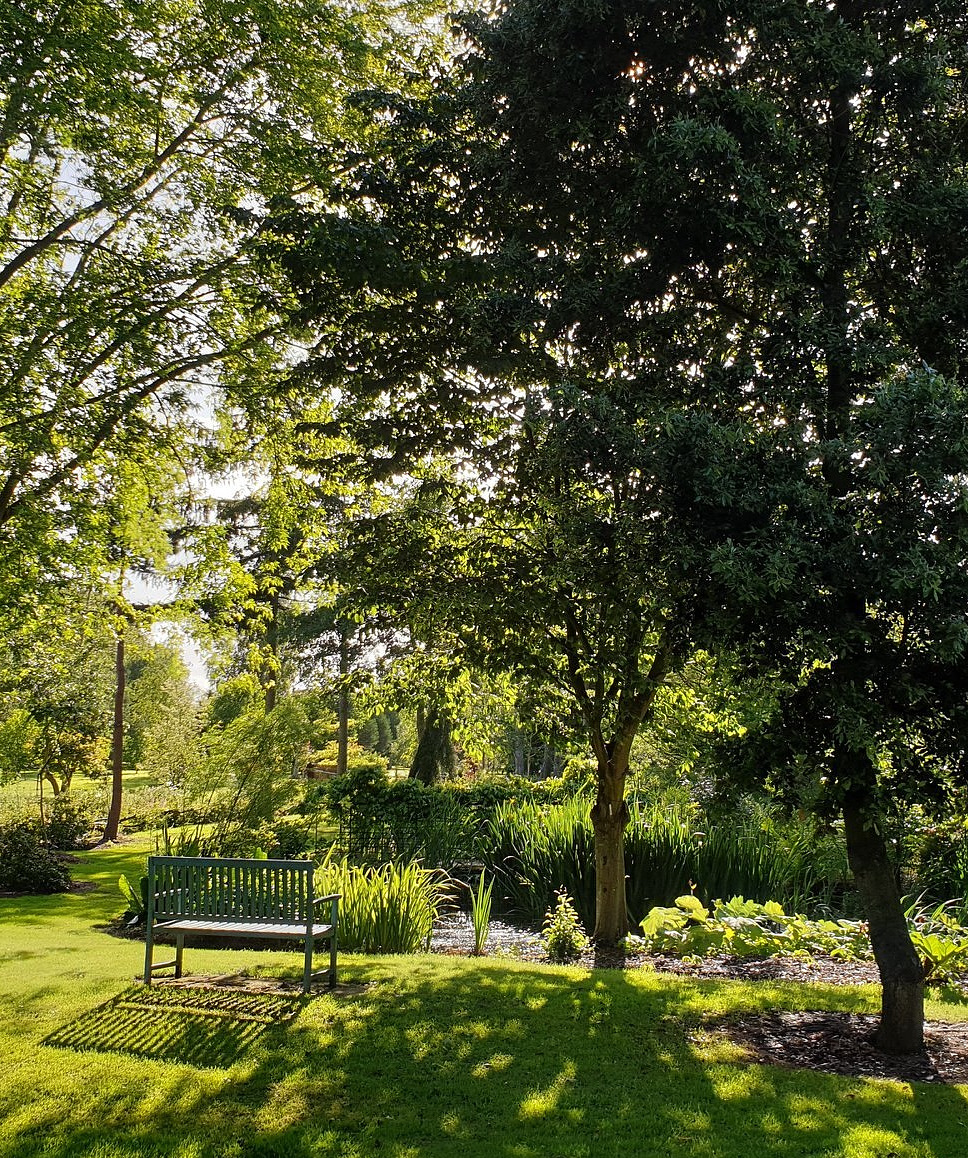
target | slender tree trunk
[
  {"x": 117, "y": 742},
  {"x": 610, "y": 817},
  {"x": 520, "y": 763},
  {"x": 270, "y": 678},
  {"x": 901, "y": 1028},
  {"x": 343, "y": 705}
]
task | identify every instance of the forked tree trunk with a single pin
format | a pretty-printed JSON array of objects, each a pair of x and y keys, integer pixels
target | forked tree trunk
[
  {"x": 610, "y": 818},
  {"x": 901, "y": 1028}
]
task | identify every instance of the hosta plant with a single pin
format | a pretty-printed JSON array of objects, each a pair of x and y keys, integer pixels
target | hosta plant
[{"x": 749, "y": 929}]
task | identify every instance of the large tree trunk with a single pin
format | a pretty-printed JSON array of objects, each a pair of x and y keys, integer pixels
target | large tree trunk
[
  {"x": 117, "y": 743},
  {"x": 434, "y": 758},
  {"x": 901, "y": 1029},
  {"x": 610, "y": 817}
]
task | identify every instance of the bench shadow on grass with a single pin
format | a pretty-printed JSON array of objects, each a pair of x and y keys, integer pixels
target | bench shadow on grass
[{"x": 197, "y": 1027}]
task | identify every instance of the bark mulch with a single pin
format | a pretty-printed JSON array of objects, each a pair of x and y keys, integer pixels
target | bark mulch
[{"x": 836, "y": 1043}]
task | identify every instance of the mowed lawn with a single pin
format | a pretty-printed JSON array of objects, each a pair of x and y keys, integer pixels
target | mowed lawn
[{"x": 447, "y": 1056}]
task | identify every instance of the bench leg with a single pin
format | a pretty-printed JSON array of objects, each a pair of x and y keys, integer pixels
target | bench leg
[
  {"x": 179, "y": 949},
  {"x": 148, "y": 946},
  {"x": 308, "y": 967},
  {"x": 332, "y": 960}
]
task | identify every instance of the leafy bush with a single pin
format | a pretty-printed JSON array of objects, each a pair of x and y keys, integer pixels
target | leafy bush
[
  {"x": 562, "y": 934},
  {"x": 290, "y": 838},
  {"x": 382, "y": 820},
  {"x": 71, "y": 818},
  {"x": 136, "y": 898},
  {"x": 936, "y": 853},
  {"x": 387, "y": 909},
  {"x": 939, "y": 938},
  {"x": 28, "y": 864},
  {"x": 748, "y": 929}
]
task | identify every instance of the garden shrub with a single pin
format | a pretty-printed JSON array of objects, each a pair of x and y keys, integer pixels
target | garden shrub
[
  {"x": 290, "y": 838},
  {"x": 71, "y": 819},
  {"x": 28, "y": 864},
  {"x": 745, "y": 928},
  {"x": 562, "y": 934},
  {"x": 939, "y": 938},
  {"x": 382, "y": 819}
]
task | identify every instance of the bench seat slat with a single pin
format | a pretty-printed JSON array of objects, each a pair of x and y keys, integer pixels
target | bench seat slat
[{"x": 246, "y": 928}]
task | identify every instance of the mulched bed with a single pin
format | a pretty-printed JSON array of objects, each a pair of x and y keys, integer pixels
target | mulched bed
[
  {"x": 841, "y": 1043},
  {"x": 837, "y": 1043}
]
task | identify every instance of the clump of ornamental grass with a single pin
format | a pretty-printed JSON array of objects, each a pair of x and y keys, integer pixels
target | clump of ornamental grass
[
  {"x": 481, "y": 913},
  {"x": 391, "y": 908}
]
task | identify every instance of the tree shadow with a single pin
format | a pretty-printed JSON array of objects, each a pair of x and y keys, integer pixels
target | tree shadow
[{"x": 506, "y": 1061}]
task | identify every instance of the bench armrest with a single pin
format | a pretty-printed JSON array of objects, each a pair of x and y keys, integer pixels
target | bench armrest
[{"x": 328, "y": 897}]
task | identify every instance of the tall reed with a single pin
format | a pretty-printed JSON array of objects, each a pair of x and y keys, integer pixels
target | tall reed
[
  {"x": 535, "y": 851},
  {"x": 390, "y": 908}
]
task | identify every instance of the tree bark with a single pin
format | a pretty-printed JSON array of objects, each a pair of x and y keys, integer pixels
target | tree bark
[
  {"x": 269, "y": 670},
  {"x": 434, "y": 757},
  {"x": 520, "y": 756},
  {"x": 549, "y": 763},
  {"x": 610, "y": 818},
  {"x": 117, "y": 743},
  {"x": 901, "y": 1028},
  {"x": 343, "y": 705}
]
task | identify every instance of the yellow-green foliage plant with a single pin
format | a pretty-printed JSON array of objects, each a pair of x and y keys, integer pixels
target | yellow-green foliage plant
[{"x": 387, "y": 909}]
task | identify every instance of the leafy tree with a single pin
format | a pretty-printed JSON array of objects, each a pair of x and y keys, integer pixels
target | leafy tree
[
  {"x": 163, "y": 725},
  {"x": 137, "y": 137},
  {"x": 714, "y": 256},
  {"x": 57, "y": 679},
  {"x": 756, "y": 214},
  {"x": 558, "y": 569}
]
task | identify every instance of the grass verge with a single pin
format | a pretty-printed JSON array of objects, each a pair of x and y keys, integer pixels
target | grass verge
[{"x": 437, "y": 1056}]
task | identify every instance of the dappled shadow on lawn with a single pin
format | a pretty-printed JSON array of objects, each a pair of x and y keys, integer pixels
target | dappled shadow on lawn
[
  {"x": 499, "y": 1060},
  {"x": 195, "y": 1026}
]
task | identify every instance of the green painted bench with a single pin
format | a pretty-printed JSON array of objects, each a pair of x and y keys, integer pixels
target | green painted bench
[{"x": 201, "y": 896}]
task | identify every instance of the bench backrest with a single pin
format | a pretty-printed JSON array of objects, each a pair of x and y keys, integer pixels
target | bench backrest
[{"x": 215, "y": 889}]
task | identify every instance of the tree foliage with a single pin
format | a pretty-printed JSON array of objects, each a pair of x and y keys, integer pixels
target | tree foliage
[
  {"x": 714, "y": 256},
  {"x": 137, "y": 140}
]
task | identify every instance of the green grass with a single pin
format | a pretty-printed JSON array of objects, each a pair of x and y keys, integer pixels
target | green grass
[
  {"x": 438, "y": 1056},
  {"x": 23, "y": 792}
]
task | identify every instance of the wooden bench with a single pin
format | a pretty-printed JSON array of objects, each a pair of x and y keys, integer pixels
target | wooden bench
[{"x": 210, "y": 897}]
